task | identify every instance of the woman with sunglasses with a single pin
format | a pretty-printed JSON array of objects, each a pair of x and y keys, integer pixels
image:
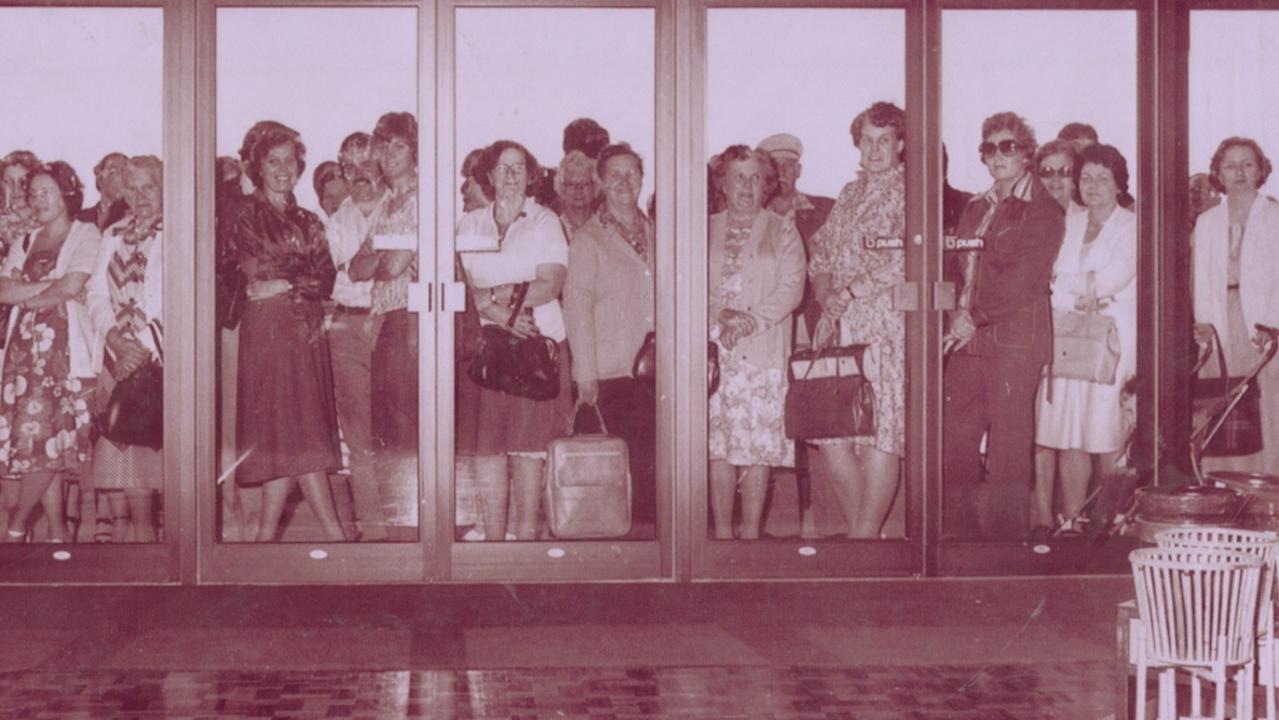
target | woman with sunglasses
[
  {"x": 1000, "y": 337},
  {"x": 1096, "y": 270},
  {"x": 1055, "y": 165}
]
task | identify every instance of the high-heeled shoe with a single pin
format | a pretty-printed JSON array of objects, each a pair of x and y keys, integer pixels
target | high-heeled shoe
[{"x": 15, "y": 536}]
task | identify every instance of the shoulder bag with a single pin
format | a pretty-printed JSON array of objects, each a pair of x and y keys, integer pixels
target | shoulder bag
[
  {"x": 829, "y": 395},
  {"x": 1240, "y": 430},
  {"x": 1085, "y": 344},
  {"x": 134, "y": 414},
  {"x": 524, "y": 367}
]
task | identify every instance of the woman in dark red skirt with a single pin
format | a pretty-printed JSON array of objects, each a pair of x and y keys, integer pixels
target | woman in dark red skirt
[{"x": 287, "y": 426}]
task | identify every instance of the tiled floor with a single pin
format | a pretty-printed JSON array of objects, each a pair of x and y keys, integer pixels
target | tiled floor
[{"x": 876, "y": 649}]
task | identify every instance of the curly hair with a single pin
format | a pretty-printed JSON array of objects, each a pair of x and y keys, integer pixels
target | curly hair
[
  {"x": 1264, "y": 167},
  {"x": 739, "y": 153},
  {"x": 1109, "y": 157},
  {"x": 493, "y": 153},
  {"x": 574, "y": 158},
  {"x": 69, "y": 185},
  {"x": 261, "y": 139},
  {"x": 880, "y": 114},
  {"x": 1057, "y": 147},
  {"x": 400, "y": 125},
  {"x": 616, "y": 150},
  {"x": 1023, "y": 133}
]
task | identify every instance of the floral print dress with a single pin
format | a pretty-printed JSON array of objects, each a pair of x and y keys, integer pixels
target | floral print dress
[
  {"x": 44, "y": 410},
  {"x": 870, "y": 209},
  {"x": 747, "y": 412}
]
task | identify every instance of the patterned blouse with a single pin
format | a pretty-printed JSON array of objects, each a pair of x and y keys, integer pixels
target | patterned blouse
[
  {"x": 399, "y": 217},
  {"x": 127, "y": 273},
  {"x": 288, "y": 244},
  {"x": 870, "y": 209}
]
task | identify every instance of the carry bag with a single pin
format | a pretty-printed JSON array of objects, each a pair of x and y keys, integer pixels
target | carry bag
[
  {"x": 1085, "y": 344},
  {"x": 644, "y": 368},
  {"x": 588, "y": 484},
  {"x": 829, "y": 395},
  {"x": 524, "y": 367},
  {"x": 1240, "y": 431},
  {"x": 135, "y": 413}
]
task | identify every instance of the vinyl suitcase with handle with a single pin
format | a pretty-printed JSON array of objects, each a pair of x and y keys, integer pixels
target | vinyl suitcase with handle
[{"x": 588, "y": 485}]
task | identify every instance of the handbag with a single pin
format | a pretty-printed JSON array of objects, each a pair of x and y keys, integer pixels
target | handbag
[
  {"x": 1085, "y": 344},
  {"x": 134, "y": 414},
  {"x": 524, "y": 367},
  {"x": 829, "y": 395},
  {"x": 1240, "y": 431},
  {"x": 644, "y": 368},
  {"x": 588, "y": 484}
]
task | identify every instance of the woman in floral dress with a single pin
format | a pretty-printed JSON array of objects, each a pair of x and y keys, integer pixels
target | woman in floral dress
[
  {"x": 853, "y": 284},
  {"x": 756, "y": 266},
  {"x": 48, "y": 370}
]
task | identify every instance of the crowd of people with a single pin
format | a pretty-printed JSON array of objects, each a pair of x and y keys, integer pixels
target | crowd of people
[
  {"x": 319, "y": 361},
  {"x": 81, "y": 294}
]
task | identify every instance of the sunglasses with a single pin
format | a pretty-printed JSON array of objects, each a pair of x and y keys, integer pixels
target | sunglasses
[
  {"x": 1007, "y": 148},
  {"x": 1061, "y": 172}
]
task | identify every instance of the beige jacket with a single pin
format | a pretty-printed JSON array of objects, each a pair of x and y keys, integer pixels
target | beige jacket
[{"x": 774, "y": 269}]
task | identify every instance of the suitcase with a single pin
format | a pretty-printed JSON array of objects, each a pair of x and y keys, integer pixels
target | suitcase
[{"x": 588, "y": 484}]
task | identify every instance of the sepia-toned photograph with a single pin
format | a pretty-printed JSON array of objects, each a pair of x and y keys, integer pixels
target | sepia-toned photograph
[{"x": 645, "y": 358}]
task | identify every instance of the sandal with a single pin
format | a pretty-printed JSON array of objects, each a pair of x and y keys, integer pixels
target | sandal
[{"x": 15, "y": 536}]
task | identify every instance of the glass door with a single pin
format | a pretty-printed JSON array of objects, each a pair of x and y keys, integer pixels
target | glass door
[
  {"x": 92, "y": 179},
  {"x": 1040, "y": 219},
  {"x": 809, "y": 253},
  {"x": 560, "y": 204},
  {"x": 316, "y": 317}
]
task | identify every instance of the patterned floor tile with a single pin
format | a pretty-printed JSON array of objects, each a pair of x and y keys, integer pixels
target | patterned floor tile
[{"x": 1024, "y": 692}]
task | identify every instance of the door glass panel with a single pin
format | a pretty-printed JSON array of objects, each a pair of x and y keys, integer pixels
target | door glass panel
[
  {"x": 807, "y": 223},
  {"x": 80, "y": 233},
  {"x": 1234, "y": 216},
  {"x": 317, "y": 240},
  {"x": 542, "y": 96},
  {"x": 1023, "y": 453}
]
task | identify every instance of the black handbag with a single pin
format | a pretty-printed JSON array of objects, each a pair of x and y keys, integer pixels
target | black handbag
[
  {"x": 1240, "y": 431},
  {"x": 524, "y": 367},
  {"x": 135, "y": 413},
  {"x": 644, "y": 368},
  {"x": 829, "y": 395}
]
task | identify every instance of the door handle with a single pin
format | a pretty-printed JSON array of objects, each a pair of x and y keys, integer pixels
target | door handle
[
  {"x": 419, "y": 297},
  {"x": 906, "y": 297},
  {"x": 944, "y": 296},
  {"x": 452, "y": 297}
]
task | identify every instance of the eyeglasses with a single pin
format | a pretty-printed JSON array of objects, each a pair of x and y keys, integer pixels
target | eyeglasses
[
  {"x": 1007, "y": 148},
  {"x": 510, "y": 170},
  {"x": 1061, "y": 172}
]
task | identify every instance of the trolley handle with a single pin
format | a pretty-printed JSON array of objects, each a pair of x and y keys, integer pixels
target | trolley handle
[{"x": 1269, "y": 339}]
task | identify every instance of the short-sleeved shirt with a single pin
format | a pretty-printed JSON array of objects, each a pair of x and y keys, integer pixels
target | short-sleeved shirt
[{"x": 535, "y": 238}]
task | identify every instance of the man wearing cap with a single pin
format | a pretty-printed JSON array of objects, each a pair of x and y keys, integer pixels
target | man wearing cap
[
  {"x": 810, "y": 213},
  {"x": 810, "y": 210}
]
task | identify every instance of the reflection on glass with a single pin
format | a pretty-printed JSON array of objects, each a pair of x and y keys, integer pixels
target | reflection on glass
[
  {"x": 790, "y": 268},
  {"x": 81, "y": 284},
  {"x": 565, "y": 258},
  {"x": 1046, "y": 254},
  {"x": 1233, "y": 266},
  {"x": 318, "y": 350}
]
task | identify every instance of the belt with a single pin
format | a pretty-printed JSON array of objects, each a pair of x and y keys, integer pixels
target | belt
[{"x": 349, "y": 310}]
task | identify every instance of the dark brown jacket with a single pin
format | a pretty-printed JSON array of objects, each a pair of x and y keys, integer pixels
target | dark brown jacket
[{"x": 1011, "y": 294}]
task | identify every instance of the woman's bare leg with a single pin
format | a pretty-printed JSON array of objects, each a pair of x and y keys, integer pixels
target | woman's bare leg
[
  {"x": 1075, "y": 472},
  {"x": 754, "y": 486},
  {"x": 142, "y": 514},
  {"x": 877, "y": 472},
  {"x": 274, "y": 494},
  {"x": 723, "y": 492},
  {"x": 315, "y": 488},
  {"x": 526, "y": 484},
  {"x": 32, "y": 489},
  {"x": 1041, "y": 500}
]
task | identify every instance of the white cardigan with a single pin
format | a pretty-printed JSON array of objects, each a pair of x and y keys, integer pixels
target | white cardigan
[
  {"x": 1113, "y": 259},
  {"x": 1258, "y": 266},
  {"x": 79, "y": 253},
  {"x": 99, "y": 305}
]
